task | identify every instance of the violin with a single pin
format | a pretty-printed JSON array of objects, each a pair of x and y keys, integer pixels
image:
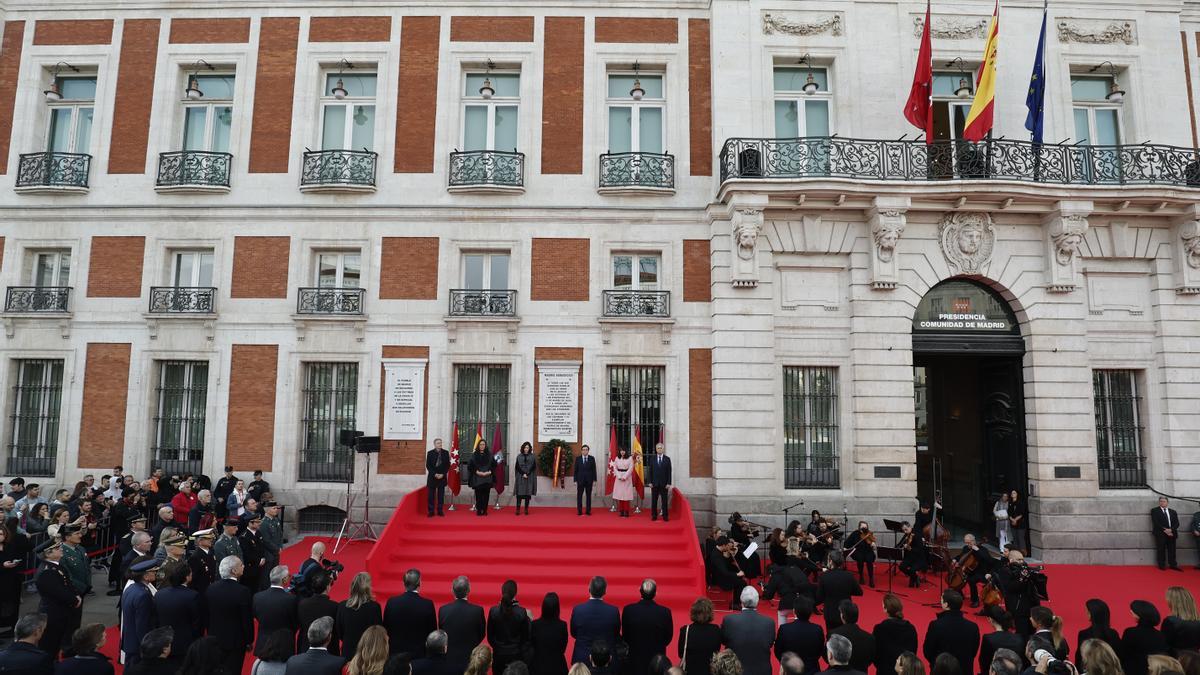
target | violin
[
  {"x": 906, "y": 542},
  {"x": 867, "y": 537}
]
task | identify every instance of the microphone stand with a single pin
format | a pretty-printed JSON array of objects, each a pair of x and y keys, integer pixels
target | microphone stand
[{"x": 786, "y": 510}]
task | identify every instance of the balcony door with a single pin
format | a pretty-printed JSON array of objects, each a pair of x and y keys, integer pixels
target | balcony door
[
  {"x": 51, "y": 269},
  {"x": 485, "y": 271},
  {"x": 349, "y": 123},
  {"x": 70, "y": 128},
  {"x": 192, "y": 269},
  {"x": 491, "y": 123},
  {"x": 635, "y": 125},
  {"x": 949, "y": 151},
  {"x": 207, "y": 123},
  {"x": 635, "y": 272},
  {"x": 339, "y": 269}
]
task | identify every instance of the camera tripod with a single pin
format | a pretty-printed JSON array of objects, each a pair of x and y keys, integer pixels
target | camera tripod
[{"x": 361, "y": 530}]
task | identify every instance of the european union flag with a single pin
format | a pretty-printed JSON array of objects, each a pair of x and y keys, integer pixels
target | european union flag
[{"x": 1035, "y": 101}]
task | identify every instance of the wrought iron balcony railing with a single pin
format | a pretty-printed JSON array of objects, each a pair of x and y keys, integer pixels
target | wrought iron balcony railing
[
  {"x": 1000, "y": 159},
  {"x": 339, "y": 168},
  {"x": 487, "y": 168},
  {"x": 637, "y": 303},
  {"x": 182, "y": 300},
  {"x": 37, "y": 298},
  {"x": 53, "y": 170},
  {"x": 470, "y": 302},
  {"x": 637, "y": 170},
  {"x": 194, "y": 168},
  {"x": 330, "y": 301}
]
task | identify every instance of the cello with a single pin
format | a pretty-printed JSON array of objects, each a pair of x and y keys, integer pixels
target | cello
[{"x": 960, "y": 570}]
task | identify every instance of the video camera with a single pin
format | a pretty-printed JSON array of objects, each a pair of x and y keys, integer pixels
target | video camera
[{"x": 302, "y": 581}]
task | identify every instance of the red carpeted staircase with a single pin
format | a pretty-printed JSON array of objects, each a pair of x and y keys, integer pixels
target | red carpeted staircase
[{"x": 552, "y": 549}]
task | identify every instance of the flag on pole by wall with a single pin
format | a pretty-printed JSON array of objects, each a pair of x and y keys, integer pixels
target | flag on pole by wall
[
  {"x": 918, "y": 110},
  {"x": 639, "y": 482},
  {"x": 610, "y": 472},
  {"x": 979, "y": 119},
  {"x": 454, "y": 479},
  {"x": 501, "y": 465},
  {"x": 1035, "y": 100}
]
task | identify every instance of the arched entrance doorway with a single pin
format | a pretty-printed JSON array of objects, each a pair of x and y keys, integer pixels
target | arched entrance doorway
[{"x": 969, "y": 402}]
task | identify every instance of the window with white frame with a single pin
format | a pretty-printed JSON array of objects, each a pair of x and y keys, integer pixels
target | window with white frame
[
  {"x": 181, "y": 415},
  {"x": 207, "y": 120},
  {"x": 37, "y": 401},
  {"x": 484, "y": 271},
  {"x": 1097, "y": 120},
  {"x": 636, "y": 103},
  {"x": 801, "y": 112},
  {"x": 490, "y": 112},
  {"x": 338, "y": 269},
  {"x": 70, "y": 128},
  {"x": 949, "y": 107},
  {"x": 348, "y": 111},
  {"x": 192, "y": 269},
  {"x": 635, "y": 271},
  {"x": 51, "y": 269}
]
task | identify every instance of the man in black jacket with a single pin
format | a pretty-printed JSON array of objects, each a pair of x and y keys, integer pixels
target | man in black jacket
[
  {"x": 789, "y": 583},
  {"x": 951, "y": 632},
  {"x": 1165, "y": 522},
  {"x": 647, "y": 627},
  {"x": 658, "y": 477},
  {"x": 802, "y": 637},
  {"x": 23, "y": 657},
  {"x": 464, "y": 623},
  {"x": 222, "y": 491},
  {"x": 180, "y": 607},
  {"x": 437, "y": 466},
  {"x": 275, "y": 608},
  {"x": 585, "y": 478},
  {"x": 409, "y": 618},
  {"x": 863, "y": 643},
  {"x": 435, "y": 661},
  {"x": 314, "y": 607},
  {"x": 231, "y": 614},
  {"x": 724, "y": 571},
  {"x": 253, "y": 552},
  {"x": 833, "y": 587},
  {"x": 837, "y": 653},
  {"x": 57, "y": 599},
  {"x": 317, "y": 660}
]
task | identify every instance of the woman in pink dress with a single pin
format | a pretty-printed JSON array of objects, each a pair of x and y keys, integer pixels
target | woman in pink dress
[{"x": 623, "y": 488}]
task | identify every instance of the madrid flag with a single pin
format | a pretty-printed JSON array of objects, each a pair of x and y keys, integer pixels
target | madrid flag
[
  {"x": 979, "y": 119},
  {"x": 454, "y": 479},
  {"x": 918, "y": 110},
  {"x": 610, "y": 475}
]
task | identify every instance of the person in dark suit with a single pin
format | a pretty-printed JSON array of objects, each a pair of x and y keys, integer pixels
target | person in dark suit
[
  {"x": 584, "y": 476},
  {"x": 594, "y": 620},
  {"x": 23, "y": 657},
  {"x": 1001, "y": 637},
  {"x": 314, "y": 607},
  {"x": 789, "y": 583},
  {"x": 837, "y": 654},
  {"x": 179, "y": 607},
  {"x": 86, "y": 658},
  {"x": 156, "y": 656},
  {"x": 750, "y": 635},
  {"x": 915, "y": 558},
  {"x": 437, "y": 466},
  {"x": 317, "y": 660},
  {"x": 833, "y": 587},
  {"x": 658, "y": 477},
  {"x": 202, "y": 562},
  {"x": 138, "y": 615},
  {"x": 435, "y": 661},
  {"x": 724, "y": 570},
  {"x": 951, "y": 632},
  {"x": 56, "y": 598},
  {"x": 481, "y": 476},
  {"x": 276, "y": 608},
  {"x": 231, "y": 614},
  {"x": 463, "y": 622},
  {"x": 409, "y": 618},
  {"x": 647, "y": 627},
  {"x": 893, "y": 636},
  {"x": 507, "y": 629},
  {"x": 1165, "y": 526},
  {"x": 802, "y": 637},
  {"x": 548, "y": 636},
  {"x": 254, "y": 554},
  {"x": 1020, "y": 592},
  {"x": 1141, "y": 640},
  {"x": 862, "y": 642},
  {"x": 1099, "y": 626}
]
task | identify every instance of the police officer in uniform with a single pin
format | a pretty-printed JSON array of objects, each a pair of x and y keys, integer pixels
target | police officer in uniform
[
  {"x": 271, "y": 532},
  {"x": 138, "y": 615},
  {"x": 203, "y": 562},
  {"x": 228, "y": 543},
  {"x": 124, "y": 545},
  {"x": 57, "y": 599},
  {"x": 176, "y": 546},
  {"x": 75, "y": 560},
  {"x": 255, "y": 554},
  {"x": 222, "y": 491}
]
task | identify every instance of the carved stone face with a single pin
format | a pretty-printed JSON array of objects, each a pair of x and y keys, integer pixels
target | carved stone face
[
  {"x": 747, "y": 236},
  {"x": 1192, "y": 246},
  {"x": 969, "y": 238},
  {"x": 1069, "y": 245},
  {"x": 888, "y": 238}
]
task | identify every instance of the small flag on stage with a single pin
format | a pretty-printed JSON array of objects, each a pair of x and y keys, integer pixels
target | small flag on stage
[
  {"x": 979, "y": 119},
  {"x": 501, "y": 465},
  {"x": 1035, "y": 101},
  {"x": 918, "y": 110},
  {"x": 639, "y": 483},
  {"x": 610, "y": 473},
  {"x": 454, "y": 480}
]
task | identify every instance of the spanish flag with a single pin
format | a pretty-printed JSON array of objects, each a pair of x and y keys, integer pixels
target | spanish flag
[
  {"x": 979, "y": 119},
  {"x": 639, "y": 483}
]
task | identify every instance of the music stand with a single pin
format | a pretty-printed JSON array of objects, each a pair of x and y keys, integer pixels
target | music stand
[
  {"x": 362, "y": 530},
  {"x": 895, "y": 527}
]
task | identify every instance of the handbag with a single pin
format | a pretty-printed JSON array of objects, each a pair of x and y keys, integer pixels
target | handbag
[{"x": 683, "y": 659}]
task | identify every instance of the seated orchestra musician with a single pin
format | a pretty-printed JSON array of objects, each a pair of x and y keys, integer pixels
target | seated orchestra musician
[
  {"x": 860, "y": 547},
  {"x": 724, "y": 570},
  {"x": 973, "y": 563},
  {"x": 915, "y": 557}
]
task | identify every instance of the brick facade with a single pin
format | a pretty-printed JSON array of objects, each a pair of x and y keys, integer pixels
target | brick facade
[
  {"x": 105, "y": 394},
  {"x": 700, "y": 407},
  {"x": 541, "y": 355},
  {"x": 559, "y": 269},
  {"x": 416, "y": 105},
  {"x": 210, "y": 31},
  {"x": 73, "y": 32},
  {"x": 491, "y": 29},
  {"x": 271, "y": 133},
  {"x": 699, "y": 98},
  {"x": 562, "y": 96},
  {"x": 250, "y": 425},
  {"x": 350, "y": 29},
  {"x": 404, "y": 457},
  {"x": 115, "y": 267},
  {"x": 408, "y": 268},
  {"x": 10, "y": 73},
  {"x": 697, "y": 271},
  {"x": 135, "y": 96},
  {"x": 260, "y": 267},
  {"x": 636, "y": 30}
]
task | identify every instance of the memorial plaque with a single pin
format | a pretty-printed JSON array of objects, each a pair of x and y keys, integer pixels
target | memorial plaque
[
  {"x": 558, "y": 403},
  {"x": 404, "y": 399}
]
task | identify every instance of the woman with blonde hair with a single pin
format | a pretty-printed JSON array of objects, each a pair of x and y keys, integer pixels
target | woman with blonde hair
[
  {"x": 1182, "y": 627},
  {"x": 1096, "y": 657},
  {"x": 908, "y": 664},
  {"x": 480, "y": 662},
  {"x": 371, "y": 654},
  {"x": 579, "y": 669},
  {"x": 357, "y": 613},
  {"x": 1161, "y": 664}
]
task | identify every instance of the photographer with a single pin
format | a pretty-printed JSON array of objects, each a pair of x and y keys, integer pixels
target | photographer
[
  {"x": 1045, "y": 663},
  {"x": 302, "y": 581},
  {"x": 1018, "y": 584}
]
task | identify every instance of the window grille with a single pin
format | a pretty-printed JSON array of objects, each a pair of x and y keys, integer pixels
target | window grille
[
  {"x": 1118, "y": 429},
  {"x": 37, "y": 401},
  {"x": 635, "y": 405},
  {"x": 180, "y": 420},
  {"x": 810, "y": 427},
  {"x": 330, "y": 405},
  {"x": 481, "y": 398}
]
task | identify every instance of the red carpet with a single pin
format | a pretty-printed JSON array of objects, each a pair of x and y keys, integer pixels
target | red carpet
[{"x": 556, "y": 550}]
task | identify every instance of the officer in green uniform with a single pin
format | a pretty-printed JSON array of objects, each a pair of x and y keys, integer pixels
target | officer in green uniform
[
  {"x": 176, "y": 546},
  {"x": 228, "y": 544},
  {"x": 271, "y": 532},
  {"x": 75, "y": 559}
]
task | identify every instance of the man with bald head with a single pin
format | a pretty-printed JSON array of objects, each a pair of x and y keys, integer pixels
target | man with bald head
[{"x": 647, "y": 627}]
